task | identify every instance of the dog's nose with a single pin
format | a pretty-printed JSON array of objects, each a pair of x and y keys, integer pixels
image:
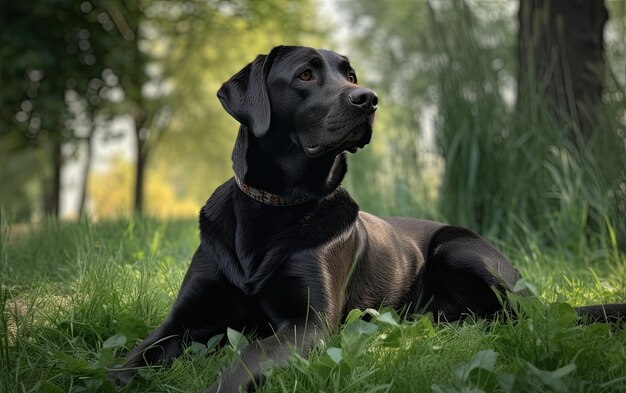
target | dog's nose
[{"x": 364, "y": 99}]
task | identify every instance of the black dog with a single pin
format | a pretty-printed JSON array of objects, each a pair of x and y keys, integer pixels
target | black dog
[{"x": 285, "y": 252}]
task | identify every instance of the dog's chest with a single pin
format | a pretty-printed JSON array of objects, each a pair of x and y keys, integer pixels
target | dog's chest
[{"x": 260, "y": 240}]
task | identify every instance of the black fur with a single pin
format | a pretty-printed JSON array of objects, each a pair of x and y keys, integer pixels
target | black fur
[{"x": 288, "y": 273}]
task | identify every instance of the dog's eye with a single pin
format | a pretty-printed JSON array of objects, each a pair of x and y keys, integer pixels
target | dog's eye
[
  {"x": 352, "y": 77},
  {"x": 306, "y": 76}
]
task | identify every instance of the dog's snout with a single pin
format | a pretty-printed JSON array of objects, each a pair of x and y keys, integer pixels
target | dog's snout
[{"x": 364, "y": 99}]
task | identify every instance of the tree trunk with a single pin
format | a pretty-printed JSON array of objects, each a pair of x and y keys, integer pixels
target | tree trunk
[
  {"x": 140, "y": 171},
  {"x": 52, "y": 198},
  {"x": 86, "y": 171},
  {"x": 141, "y": 133},
  {"x": 561, "y": 60}
]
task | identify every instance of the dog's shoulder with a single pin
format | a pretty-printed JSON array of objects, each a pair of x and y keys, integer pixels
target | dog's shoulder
[{"x": 217, "y": 213}]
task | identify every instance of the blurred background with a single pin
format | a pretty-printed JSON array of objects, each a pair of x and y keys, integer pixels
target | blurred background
[{"x": 508, "y": 117}]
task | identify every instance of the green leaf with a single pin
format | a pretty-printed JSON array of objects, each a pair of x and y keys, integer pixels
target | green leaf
[
  {"x": 214, "y": 342},
  {"x": 196, "y": 348},
  {"x": 49, "y": 387},
  {"x": 522, "y": 285},
  {"x": 506, "y": 382},
  {"x": 78, "y": 367},
  {"x": 393, "y": 339},
  {"x": 554, "y": 379},
  {"x": 388, "y": 319},
  {"x": 360, "y": 328},
  {"x": 105, "y": 358},
  {"x": 354, "y": 339},
  {"x": 566, "y": 313},
  {"x": 132, "y": 327},
  {"x": 425, "y": 324},
  {"x": 237, "y": 340},
  {"x": 485, "y": 360},
  {"x": 564, "y": 371},
  {"x": 335, "y": 354},
  {"x": 115, "y": 341},
  {"x": 353, "y": 315}
]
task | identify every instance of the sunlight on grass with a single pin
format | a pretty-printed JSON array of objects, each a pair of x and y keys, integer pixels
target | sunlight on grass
[{"x": 76, "y": 297}]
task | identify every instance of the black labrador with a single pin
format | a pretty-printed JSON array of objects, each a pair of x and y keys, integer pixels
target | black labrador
[{"x": 286, "y": 253}]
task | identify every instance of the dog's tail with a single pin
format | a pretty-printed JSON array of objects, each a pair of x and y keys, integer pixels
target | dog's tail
[{"x": 613, "y": 313}]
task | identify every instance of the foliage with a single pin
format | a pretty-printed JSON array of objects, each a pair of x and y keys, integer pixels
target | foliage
[
  {"x": 508, "y": 167},
  {"x": 68, "y": 67},
  {"x": 53, "y": 63}
]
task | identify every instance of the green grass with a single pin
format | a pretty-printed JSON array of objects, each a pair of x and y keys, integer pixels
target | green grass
[{"x": 75, "y": 297}]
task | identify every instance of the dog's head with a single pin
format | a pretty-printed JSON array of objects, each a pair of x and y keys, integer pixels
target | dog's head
[{"x": 307, "y": 97}]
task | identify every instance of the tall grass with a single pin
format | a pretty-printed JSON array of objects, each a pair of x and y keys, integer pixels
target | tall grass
[{"x": 510, "y": 168}]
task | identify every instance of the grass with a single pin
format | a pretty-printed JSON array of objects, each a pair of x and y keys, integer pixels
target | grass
[{"x": 76, "y": 296}]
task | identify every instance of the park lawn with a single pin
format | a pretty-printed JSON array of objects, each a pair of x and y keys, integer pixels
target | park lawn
[{"x": 76, "y": 296}]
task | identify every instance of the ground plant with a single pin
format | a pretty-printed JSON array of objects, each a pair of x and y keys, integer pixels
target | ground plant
[{"x": 76, "y": 296}]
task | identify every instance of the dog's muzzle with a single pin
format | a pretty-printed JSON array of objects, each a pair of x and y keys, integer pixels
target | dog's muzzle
[{"x": 357, "y": 138}]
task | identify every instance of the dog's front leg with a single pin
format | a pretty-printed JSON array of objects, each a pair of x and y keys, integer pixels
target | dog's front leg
[
  {"x": 206, "y": 305},
  {"x": 247, "y": 371},
  {"x": 160, "y": 347}
]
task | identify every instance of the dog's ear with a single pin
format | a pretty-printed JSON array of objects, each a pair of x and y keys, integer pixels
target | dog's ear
[{"x": 244, "y": 96}]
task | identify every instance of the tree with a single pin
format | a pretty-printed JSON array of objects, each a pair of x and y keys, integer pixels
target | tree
[
  {"x": 167, "y": 39},
  {"x": 564, "y": 77},
  {"x": 561, "y": 60},
  {"x": 49, "y": 50},
  {"x": 152, "y": 54}
]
